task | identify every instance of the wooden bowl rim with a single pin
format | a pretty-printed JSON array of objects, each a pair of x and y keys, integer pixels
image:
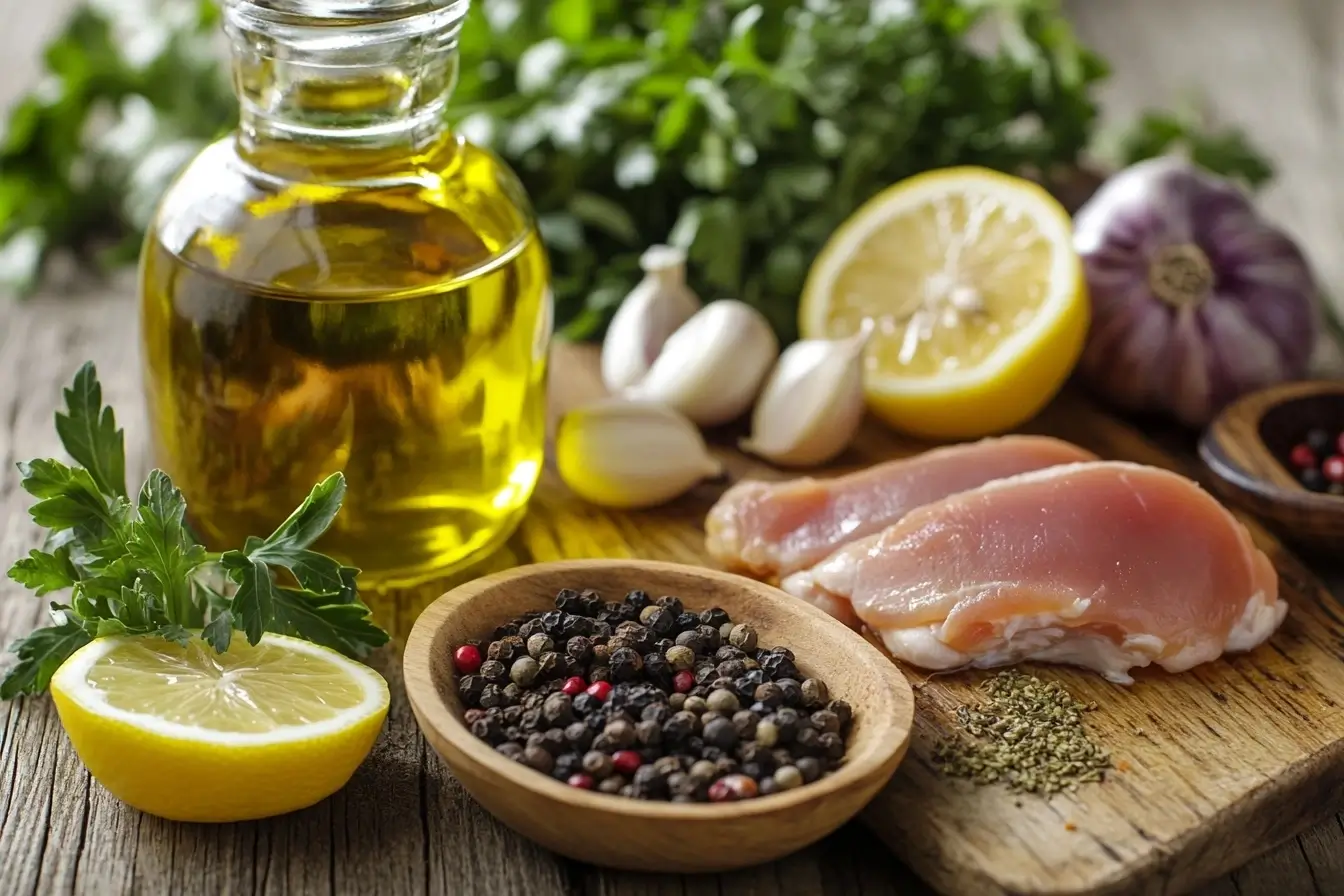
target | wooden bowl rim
[
  {"x": 1258, "y": 404},
  {"x": 887, "y": 740}
]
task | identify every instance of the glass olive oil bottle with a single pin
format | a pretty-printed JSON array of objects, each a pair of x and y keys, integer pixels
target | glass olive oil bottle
[{"x": 344, "y": 284}]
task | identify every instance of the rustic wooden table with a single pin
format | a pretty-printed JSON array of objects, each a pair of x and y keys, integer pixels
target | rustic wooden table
[{"x": 404, "y": 825}]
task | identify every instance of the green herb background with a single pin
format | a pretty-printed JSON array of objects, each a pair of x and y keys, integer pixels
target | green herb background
[{"x": 742, "y": 131}]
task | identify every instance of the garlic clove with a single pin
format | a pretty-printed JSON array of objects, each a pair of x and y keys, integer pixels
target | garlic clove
[
  {"x": 652, "y": 312},
  {"x": 712, "y": 367},
  {"x": 631, "y": 454},
  {"x": 813, "y": 403}
]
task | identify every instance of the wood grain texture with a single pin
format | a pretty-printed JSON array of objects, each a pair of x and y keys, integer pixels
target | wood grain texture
[
  {"x": 1246, "y": 449},
  {"x": 659, "y": 836}
]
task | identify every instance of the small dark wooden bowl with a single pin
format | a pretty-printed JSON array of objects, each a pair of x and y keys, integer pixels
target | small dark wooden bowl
[
  {"x": 656, "y": 836},
  {"x": 1247, "y": 447}
]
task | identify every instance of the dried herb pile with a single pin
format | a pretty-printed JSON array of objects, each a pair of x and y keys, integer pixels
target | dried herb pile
[{"x": 1028, "y": 734}]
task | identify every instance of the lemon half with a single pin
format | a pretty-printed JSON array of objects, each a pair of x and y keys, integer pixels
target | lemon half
[
  {"x": 191, "y": 735},
  {"x": 976, "y": 292}
]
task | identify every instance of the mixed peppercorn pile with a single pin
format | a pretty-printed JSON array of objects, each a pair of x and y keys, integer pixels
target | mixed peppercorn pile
[
  {"x": 1318, "y": 462},
  {"x": 646, "y": 699}
]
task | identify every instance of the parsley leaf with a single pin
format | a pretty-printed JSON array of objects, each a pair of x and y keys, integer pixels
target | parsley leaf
[
  {"x": 137, "y": 569},
  {"x": 88, "y": 430},
  {"x": 40, "y": 655}
]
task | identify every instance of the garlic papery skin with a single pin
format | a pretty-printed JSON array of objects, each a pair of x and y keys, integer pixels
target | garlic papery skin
[
  {"x": 712, "y": 367},
  {"x": 630, "y": 454},
  {"x": 813, "y": 403},
  {"x": 652, "y": 312}
]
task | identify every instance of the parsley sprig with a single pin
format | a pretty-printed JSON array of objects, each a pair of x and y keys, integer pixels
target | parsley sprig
[{"x": 132, "y": 567}]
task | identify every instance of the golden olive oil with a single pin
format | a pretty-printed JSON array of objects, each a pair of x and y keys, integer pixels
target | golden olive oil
[{"x": 382, "y": 312}]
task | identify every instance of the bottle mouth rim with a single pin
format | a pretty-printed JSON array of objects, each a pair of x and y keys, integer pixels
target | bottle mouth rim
[{"x": 355, "y": 19}]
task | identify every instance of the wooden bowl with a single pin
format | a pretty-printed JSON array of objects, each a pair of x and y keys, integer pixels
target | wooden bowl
[
  {"x": 641, "y": 835},
  {"x": 1243, "y": 447}
]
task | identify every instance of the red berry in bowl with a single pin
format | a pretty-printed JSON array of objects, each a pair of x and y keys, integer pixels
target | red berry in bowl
[
  {"x": 581, "y": 781},
  {"x": 600, "y": 690},
  {"x": 1302, "y": 456},
  {"x": 467, "y": 659},
  {"x": 626, "y": 761},
  {"x": 683, "y": 681},
  {"x": 1333, "y": 468},
  {"x": 574, "y": 686}
]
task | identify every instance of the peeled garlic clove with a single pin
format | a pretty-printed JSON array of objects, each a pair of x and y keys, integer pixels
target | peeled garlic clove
[
  {"x": 813, "y": 403},
  {"x": 647, "y": 317},
  {"x": 711, "y": 368},
  {"x": 630, "y": 454}
]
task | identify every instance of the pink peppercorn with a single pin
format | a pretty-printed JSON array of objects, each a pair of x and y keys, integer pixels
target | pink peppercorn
[
  {"x": 581, "y": 781},
  {"x": 573, "y": 686},
  {"x": 626, "y": 761},
  {"x": 683, "y": 681},
  {"x": 467, "y": 659},
  {"x": 600, "y": 690}
]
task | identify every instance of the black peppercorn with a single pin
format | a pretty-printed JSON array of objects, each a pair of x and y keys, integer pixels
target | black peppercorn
[
  {"x": 825, "y": 721},
  {"x": 704, "y": 674},
  {"x": 548, "y": 667},
  {"x": 558, "y": 709},
  {"x": 597, "y": 764},
  {"x": 567, "y": 601},
  {"x": 778, "y": 665},
  {"x": 621, "y": 733},
  {"x": 538, "y": 758},
  {"x": 656, "y": 712},
  {"x": 751, "y": 664},
  {"x": 842, "y": 710},
  {"x": 647, "y": 782},
  {"x": 538, "y": 644},
  {"x": 590, "y": 602},
  {"x": 658, "y": 670},
  {"x": 793, "y": 692},
  {"x": 574, "y": 626},
  {"x": 492, "y": 696},
  {"x": 504, "y": 631},
  {"x": 686, "y": 622},
  {"x": 505, "y": 650},
  {"x": 637, "y": 599},
  {"x": 649, "y": 733},
  {"x": 662, "y": 623},
  {"x": 488, "y": 729},
  {"x": 578, "y": 736},
  {"x": 530, "y": 720},
  {"x": 585, "y": 703},
  {"x": 709, "y": 636},
  {"x": 530, "y": 629},
  {"x": 681, "y": 784},
  {"x": 663, "y": 645},
  {"x": 552, "y": 620},
  {"x": 692, "y": 640},
  {"x": 469, "y": 688},
  {"x": 613, "y": 785},
  {"x": 714, "y": 616},
  {"x": 471, "y": 715},
  {"x": 815, "y": 693},
  {"x": 746, "y": 685},
  {"x": 806, "y": 742},
  {"x": 769, "y": 694},
  {"x": 678, "y": 727},
  {"x": 786, "y": 721},
  {"x": 722, "y": 683},
  {"x": 510, "y": 750},
  {"x": 566, "y": 764},
  {"x": 831, "y": 744},
  {"x": 580, "y": 648},
  {"x": 725, "y": 766},
  {"x": 553, "y": 741},
  {"x": 532, "y": 700},
  {"x": 625, "y": 664},
  {"x": 721, "y": 733},
  {"x": 810, "y": 768},
  {"x": 745, "y": 721},
  {"x": 672, "y": 604},
  {"x": 728, "y": 652},
  {"x": 601, "y": 654},
  {"x": 512, "y": 715},
  {"x": 599, "y": 673},
  {"x": 570, "y": 667},
  {"x": 494, "y": 672},
  {"x": 731, "y": 669},
  {"x": 511, "y": 694}
]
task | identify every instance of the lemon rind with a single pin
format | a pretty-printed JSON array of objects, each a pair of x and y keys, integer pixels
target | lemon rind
[
  {"x": 71, "y": 680},
  {"x": 1065, "y": 276}
]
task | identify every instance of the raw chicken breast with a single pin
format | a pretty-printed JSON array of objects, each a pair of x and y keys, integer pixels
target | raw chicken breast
[
  {"x": 1105, "y": 565},
  {"x": 772, "y": 529}
]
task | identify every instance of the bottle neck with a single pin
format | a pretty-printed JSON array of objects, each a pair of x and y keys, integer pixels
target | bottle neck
[{"x": 332, "y": 88}]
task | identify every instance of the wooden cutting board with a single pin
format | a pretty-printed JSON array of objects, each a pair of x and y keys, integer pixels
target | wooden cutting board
[{"x": 1221, "y": 763}]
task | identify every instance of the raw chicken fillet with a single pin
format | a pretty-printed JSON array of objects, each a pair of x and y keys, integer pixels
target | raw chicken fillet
[
  {"x": 1105, "y": 565},
  {"x": 772, "y": 529}
]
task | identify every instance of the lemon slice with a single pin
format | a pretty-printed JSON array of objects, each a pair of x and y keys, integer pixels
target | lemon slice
[
  {"x": 191, "y": 735},
  {"x": 977, "y": 296}
]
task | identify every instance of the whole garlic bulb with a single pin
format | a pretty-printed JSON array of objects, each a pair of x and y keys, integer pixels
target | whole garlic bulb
[
  {"x": 712, "y": 367},
  {"x": 652, "y": 312},
  {"x": 630, "y": 454},
  {"x": 813, "y": 403}
]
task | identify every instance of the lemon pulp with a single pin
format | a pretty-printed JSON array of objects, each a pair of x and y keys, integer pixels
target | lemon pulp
[{"x": 976, "y": 294}]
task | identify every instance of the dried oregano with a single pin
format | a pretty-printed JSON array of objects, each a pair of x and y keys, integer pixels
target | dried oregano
[{"x": 1028, "y": 735}]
